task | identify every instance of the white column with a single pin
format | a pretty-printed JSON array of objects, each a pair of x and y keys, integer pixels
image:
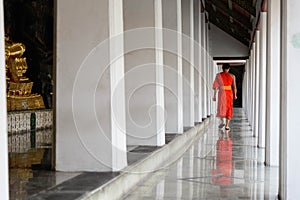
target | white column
[
  {"x": 86, "y": 114},
  {"x": 197, "y": 47},
  {"x": 273, "y": 84},
  {"x": 253, "y": 75},
  {"x": 118, "y": 122},
  {"x": 245, "y": 89},
  {"x": 203, "y": 67},
  {"x": 262, "y": 80},
  {"x": 188, "y": 55},
  {"x": 250, "y": 91},
  {"x": 144, "y": 73},
  {"x": 185, "y": 13},
  {"x": 160, "y": 106},
  {"x": 249, "y": 88},
  {"x": 290, "y": 95},
  {"x": 247, "y": 77},
  {"x": 252, "y": 85},
  {"x": 208, "y": 68},
  {"x": 249, "y": 94},
  {"x": 200, "y": 98},
  {"x": 192, "y": 65},
  {"x": 257, "y": 67},
  {"x": 4, "y": 186},
  {"x": 179, "y": 70},
  {"x": 244, "y": 95},
  {"x": 172, "y": 60}
]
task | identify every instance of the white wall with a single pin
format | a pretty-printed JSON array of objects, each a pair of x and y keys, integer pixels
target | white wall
[
  {"x": 83, "y": 130},
  {"x": 290, "y": 94},
  {"x": 186, "y": 62},
  {"x": 224, "y": 45},
  {"x": 197, "y": 75},
  {"x": 171, "y": 66},
  {"x": 143, "y": 73}
]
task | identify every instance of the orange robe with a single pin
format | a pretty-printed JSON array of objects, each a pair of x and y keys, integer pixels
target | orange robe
[{"x": 223, "y": 82}]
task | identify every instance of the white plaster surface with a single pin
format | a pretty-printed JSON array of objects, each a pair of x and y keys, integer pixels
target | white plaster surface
[
  {"x": 223, "y": 45},
  {"x": 203, "y": 68},
  {"x": 171, "y": 74},
  {"x": 273, "y": 84},
  {"x": 143, "y": 73},
  {"x": 83, "y": 126},
  {"x": 290, "y": 94},
  {"x": 262, "y": 81},
  {"x": 186, "y": 63}
]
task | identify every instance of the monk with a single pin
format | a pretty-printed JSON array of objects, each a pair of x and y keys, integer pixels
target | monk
[{"x": 225, "y": 85}]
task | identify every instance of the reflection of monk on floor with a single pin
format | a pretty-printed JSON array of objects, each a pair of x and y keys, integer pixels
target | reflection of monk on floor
[{"x": 222, "y": 172}]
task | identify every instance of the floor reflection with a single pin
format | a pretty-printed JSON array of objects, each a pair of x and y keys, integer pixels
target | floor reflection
[
  {"x": 220, "y": 165},
  {"x": 30, "y": 149},
  {"x": 222, "y": 170},
  {"x": 29, "y": 154}
]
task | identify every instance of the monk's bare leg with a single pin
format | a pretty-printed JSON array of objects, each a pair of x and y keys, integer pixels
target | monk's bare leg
[{"x": 227, "y": 124}]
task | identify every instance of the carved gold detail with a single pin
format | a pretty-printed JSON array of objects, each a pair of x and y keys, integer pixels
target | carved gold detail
[{"x": 19, "y": 87}]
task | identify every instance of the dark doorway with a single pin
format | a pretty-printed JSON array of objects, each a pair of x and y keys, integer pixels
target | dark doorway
[
  {"x": 238, "y": 71},
  {"x": 31, "y": 140},
  {"x": 31, "y": 23}
]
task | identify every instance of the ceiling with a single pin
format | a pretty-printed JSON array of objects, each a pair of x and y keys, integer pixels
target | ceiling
[{"x": 238, "y": 18}]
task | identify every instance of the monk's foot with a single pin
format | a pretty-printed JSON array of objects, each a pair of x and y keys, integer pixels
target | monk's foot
[{"x": 227, "y": 128}]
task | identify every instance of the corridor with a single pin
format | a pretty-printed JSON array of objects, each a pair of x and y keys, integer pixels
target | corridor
[
  {"x": 97, "y": 96},
  {"x": 213, "y": 169}
]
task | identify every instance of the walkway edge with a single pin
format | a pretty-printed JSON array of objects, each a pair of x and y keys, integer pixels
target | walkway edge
[{"x": 133, "y": 174}]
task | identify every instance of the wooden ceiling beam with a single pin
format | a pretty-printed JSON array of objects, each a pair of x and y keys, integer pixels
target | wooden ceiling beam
[
  {"x": 246, "y": 5},
  {"x": 223, "y": 19},
  {"x": 234, "y": 14},
  {"x": 227, "y": 29}
]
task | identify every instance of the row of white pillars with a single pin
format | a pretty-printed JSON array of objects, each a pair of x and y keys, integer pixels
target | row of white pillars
[
  {"x": 92, "y": 80},
  {"x": 273, "y": 94},
  {"x": 262, "y": 81},
  {"x": 256, "y": 83},
  {"x": 116, "y": 93}
]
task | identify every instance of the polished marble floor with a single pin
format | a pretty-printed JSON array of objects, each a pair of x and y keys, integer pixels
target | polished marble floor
[
  {"x": 30, "y": 176},
  {"x": 220, "y": 165}
]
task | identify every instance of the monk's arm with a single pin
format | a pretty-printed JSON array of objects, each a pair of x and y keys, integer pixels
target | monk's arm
[
  {"x": 234, "y": 88},
  {"x": 215, "y": 87},
  {"x": 215, "y": 93}
]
